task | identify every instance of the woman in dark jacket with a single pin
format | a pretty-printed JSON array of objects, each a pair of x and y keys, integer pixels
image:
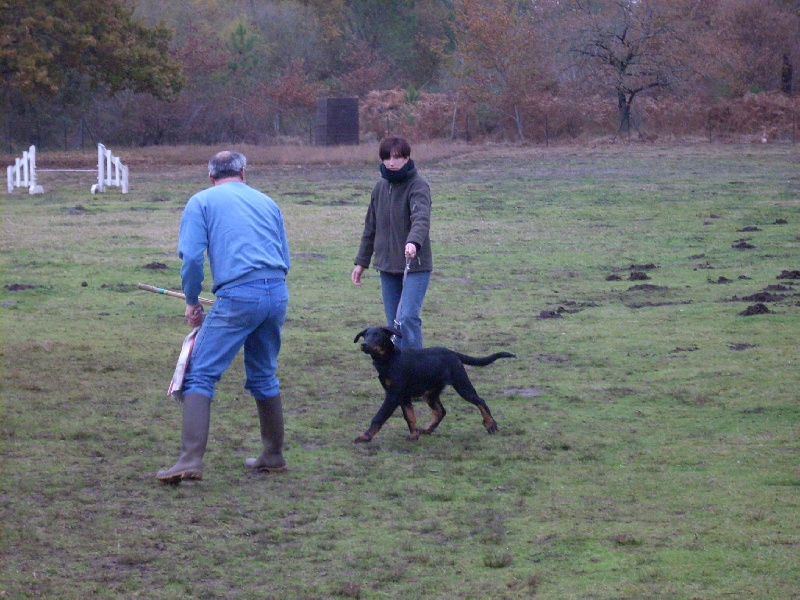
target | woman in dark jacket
[{"x": 396, "y": 234}]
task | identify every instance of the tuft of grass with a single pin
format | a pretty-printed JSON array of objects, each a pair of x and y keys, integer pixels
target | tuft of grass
[{"x": 498, "y": 560}]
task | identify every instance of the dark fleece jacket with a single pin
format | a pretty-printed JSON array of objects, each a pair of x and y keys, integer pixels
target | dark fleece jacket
[{"x": 398, "y": 213}]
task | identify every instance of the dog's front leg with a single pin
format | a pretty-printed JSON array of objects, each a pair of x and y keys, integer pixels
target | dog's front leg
[
  {"x": 367, "y": 435},
  {"x": 388, "y": 407},
  {"x": 411, "y": 420}
]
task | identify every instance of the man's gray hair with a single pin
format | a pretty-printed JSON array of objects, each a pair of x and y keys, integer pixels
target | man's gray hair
[{"x": 226, "y": 164}]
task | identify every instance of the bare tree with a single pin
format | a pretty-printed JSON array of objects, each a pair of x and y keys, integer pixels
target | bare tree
[{"x": 630, "y": 47}]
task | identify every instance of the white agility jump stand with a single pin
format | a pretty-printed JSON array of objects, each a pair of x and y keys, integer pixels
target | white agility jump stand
[
  {"x": 110, "y": 171},
  {"x": 23, "y": 173}
]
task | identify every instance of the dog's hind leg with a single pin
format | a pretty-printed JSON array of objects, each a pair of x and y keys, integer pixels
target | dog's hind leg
[
  {"x": 438, "y": 412},
  {"x": 463, "y": 386}
]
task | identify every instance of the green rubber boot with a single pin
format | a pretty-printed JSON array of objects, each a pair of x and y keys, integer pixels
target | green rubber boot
[
  {"x": 194, "y": 438},
  {"x": 270, "y": 417}
]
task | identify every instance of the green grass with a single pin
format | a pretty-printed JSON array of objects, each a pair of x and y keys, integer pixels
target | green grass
[{"x": 648, "y": 440}]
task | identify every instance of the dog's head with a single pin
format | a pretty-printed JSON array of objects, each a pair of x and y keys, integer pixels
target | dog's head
[{"x": 378, "y": 341}]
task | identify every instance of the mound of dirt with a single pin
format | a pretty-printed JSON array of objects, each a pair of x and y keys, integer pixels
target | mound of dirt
[
  {"x": 756, "y": 309},
  {"x": 789, "y": 275},
  {"x": 760, "y": 297}
]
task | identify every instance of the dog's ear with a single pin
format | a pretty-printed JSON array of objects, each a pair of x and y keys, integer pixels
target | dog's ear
[
  {"x": 360, "y": 335},
  {"x": 392, "y": 331}
]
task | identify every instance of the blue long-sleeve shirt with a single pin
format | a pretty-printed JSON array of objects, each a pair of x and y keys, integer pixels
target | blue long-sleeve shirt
[{"x": 240, "y": 229}]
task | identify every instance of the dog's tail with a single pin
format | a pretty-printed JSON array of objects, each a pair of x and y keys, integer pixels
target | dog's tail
[{"x": 484, "y": 360}]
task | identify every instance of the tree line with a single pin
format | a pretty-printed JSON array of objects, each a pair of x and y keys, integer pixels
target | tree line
[{"x": 143, "y": 72}]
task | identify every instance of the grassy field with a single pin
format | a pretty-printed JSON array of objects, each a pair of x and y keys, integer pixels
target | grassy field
[{"x": 648, "y": 443}]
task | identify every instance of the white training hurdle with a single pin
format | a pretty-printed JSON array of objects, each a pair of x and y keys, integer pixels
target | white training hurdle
[
  {"x": 110, "y": 172},
  {"x": 23, "y": 173}
]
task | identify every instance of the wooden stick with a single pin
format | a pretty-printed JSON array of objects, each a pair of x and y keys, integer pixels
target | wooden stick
[{"x": 158, "y": 290}]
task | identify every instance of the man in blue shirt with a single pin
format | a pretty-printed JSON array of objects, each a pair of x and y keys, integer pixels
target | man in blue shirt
[{"x": 242, "y": 232}]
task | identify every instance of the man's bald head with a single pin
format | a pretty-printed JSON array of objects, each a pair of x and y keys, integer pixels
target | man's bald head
[{"x": 226, "y": 164}]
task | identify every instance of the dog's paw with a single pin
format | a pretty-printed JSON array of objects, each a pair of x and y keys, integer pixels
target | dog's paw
[
  {"x": 492, "y": 428},
  {"x": 413, "y": 436},
  {"x": 362, "y": 439}
]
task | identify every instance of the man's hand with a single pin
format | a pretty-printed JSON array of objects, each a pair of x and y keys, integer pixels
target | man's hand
[
  {"x": 194, "y": 314},
  {"x": 411, "y": 251},
  {"x": 355, "y": 276}
]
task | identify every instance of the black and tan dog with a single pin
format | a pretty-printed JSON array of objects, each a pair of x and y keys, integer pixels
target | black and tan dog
[{"x": 425, "y": 372}]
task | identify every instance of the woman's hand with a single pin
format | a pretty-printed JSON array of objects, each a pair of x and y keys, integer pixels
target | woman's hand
[{"x": 355, "y": 276}]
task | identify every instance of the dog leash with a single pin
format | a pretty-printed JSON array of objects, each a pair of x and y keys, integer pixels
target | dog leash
[{"x": 397, "y": 323}]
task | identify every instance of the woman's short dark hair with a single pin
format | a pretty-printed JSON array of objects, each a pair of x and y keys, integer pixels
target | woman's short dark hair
[
  {"x": 226, "y": 164},
  {"x": 394, "y": 146}
]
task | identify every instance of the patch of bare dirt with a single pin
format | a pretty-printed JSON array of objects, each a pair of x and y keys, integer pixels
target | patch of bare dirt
[
  {"x": 692, "y": 348},
  {"x": 647, "y": 287},
  {"x": 527, "y": 392},
  {"x": 18, "y": 287},
  {"x": 742, "y": 346}
]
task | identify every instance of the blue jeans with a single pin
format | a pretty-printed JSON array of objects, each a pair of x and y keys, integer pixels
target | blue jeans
[
  {"x": 413, "y": 294},
  {"x": 250, "y": 315}
]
